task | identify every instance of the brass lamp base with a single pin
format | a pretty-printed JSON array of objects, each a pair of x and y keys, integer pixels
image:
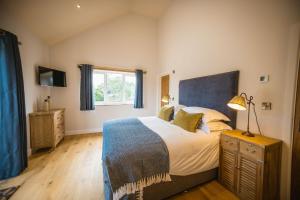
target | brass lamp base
[{"x": 248, "y": 134}]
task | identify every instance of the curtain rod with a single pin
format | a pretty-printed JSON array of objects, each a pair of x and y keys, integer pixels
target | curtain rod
[
  {"x": 118, "y": 69},
  {"x": 3, "y": 32}
]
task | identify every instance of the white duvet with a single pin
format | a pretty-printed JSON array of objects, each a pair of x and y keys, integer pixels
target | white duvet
[{"x": 189, "y": 153}]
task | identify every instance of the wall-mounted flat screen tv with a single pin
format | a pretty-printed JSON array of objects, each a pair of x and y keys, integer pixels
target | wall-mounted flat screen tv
[{"x": 51, "y": 77}]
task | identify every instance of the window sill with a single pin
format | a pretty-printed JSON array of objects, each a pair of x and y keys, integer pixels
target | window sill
[{"x": 113, "y": 104}]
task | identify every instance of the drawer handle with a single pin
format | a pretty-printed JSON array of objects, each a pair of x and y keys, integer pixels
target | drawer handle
[
  {"x": 251, "y": 151},
  {"x": 228, "y": 142}
]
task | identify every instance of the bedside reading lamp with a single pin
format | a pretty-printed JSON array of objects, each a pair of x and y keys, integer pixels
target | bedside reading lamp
[
  {"x": 239, "y": 103},
  {"x": 165, "y": 99}
]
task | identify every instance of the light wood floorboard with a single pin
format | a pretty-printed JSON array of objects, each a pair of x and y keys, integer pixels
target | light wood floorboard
[{"x": 73, "y": 172}]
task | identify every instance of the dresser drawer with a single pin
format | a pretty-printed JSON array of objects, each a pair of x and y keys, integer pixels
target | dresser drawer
[
  {"x": 59, "y": 129},
  {"x": 58, "y": 138},
  {"x": 59, "y": 117},
  {"x": 229, "y": 143},
  {"x": 253, "y": 151}
]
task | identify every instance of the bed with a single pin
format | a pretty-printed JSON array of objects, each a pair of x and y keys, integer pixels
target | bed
[{"x": 148, "y": 158}]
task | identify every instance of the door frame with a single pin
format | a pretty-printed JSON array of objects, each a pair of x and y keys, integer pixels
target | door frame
[
  {"x": 296, "y": 85},
  {"x": 160, "y": 85},
  {"x": 158, "y": 78}
]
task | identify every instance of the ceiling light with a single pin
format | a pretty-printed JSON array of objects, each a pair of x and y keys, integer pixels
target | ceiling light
[{"x": 78, "y": 5}]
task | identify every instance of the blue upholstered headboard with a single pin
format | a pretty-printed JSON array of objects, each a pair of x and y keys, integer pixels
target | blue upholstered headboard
[{"x": 211, "y": 92}]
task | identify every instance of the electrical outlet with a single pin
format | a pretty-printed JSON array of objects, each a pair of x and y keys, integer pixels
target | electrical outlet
[{"x": 266, "y": 106}]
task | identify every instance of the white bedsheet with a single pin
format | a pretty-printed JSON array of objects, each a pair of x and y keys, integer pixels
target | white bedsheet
[{"x": 189, "y": 153}]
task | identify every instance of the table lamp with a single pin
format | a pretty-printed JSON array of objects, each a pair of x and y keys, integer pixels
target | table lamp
[{"x": 239, "y": 103}]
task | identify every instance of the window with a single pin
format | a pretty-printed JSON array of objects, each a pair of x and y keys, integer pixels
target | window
[{"x": 113, "y": 87}]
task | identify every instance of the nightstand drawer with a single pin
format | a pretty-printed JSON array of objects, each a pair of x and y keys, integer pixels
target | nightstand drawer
[
  {"x": 229, "y": 143},
  {"x": 252, "y": 150}
]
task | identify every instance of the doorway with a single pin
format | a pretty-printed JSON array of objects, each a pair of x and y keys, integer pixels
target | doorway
[
  {"x": 295, "y": 183},
  {"x": 165, "y": 97}
]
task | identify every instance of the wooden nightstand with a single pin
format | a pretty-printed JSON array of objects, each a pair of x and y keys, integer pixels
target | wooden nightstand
[{"x": 250, "y": 166}]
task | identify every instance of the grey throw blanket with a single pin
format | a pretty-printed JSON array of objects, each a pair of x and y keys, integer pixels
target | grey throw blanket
[{"x": 133, "y": 157}]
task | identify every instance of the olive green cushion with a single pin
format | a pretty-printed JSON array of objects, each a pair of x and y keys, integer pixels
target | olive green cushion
[
  {"x": 188, "y": 121},
  {"x": 166, "y": 113}
]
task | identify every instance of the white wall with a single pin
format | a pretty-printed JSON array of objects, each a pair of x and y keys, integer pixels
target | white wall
[
  {"x": 198, "y": 38},
  {"x": 33, "y": 53},
  {"x": 129, "y": 41}
]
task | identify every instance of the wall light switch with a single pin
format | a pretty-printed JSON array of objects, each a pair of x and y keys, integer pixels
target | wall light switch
[
  {"x": 266, "y": 106},
  {"x": 264, "y": 78}
]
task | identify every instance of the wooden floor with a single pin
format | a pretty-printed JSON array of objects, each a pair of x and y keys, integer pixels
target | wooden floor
[{"x": 73, "y": 171}]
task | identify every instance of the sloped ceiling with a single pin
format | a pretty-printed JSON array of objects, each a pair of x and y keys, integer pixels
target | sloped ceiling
[{"x": 56, "y": 20}]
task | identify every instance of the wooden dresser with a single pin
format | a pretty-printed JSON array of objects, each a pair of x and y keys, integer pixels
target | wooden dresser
[
  {"x": 47, "y": 129},
  {"x": 250, "y": 166}
]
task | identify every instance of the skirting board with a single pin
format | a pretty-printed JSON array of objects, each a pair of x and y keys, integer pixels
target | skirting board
[{"x": 79, "y": 132}]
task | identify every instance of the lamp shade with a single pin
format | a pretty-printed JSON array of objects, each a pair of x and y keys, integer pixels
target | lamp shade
[
  {"x": 165, "y": 99},
  {"x": 237, "y": 103}
]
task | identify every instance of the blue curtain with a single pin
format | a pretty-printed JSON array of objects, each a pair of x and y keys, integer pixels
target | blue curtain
[
  {"x": 86, "y": 87},
  {"x": 13, "y": 144},
  {"x": 138, "y": 100}
]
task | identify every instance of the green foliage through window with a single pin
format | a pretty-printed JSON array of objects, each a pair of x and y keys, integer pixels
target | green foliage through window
[
  {"x": 99, "y": 93},
  {"x": 113, "y": 87}
]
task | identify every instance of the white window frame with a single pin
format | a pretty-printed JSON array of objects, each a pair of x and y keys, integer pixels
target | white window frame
[{"x": 109, "y": 103}]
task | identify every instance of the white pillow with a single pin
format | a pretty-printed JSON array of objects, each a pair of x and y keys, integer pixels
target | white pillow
[
  {"x": 214, "y": 127},
  {"x": 210, "y": 115},
  {"x": 177, "y": 108}
]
